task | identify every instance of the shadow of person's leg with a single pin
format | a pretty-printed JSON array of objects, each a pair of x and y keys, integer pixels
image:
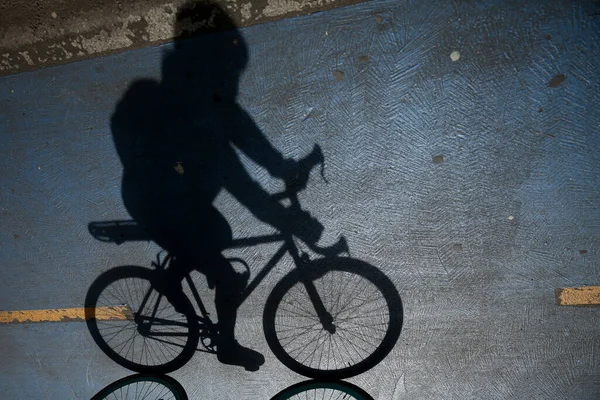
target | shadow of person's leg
[
  {"x": 169, "y": 284},
  {"x": 229, "y": 286}
]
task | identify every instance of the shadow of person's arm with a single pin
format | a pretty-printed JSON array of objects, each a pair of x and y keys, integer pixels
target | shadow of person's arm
[{"x": 246, "y": 136}]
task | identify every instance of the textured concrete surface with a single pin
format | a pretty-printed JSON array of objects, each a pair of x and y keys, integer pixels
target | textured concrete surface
[
  {"x": 463, "y": 157},
  {"x": 49, "y": 32}
]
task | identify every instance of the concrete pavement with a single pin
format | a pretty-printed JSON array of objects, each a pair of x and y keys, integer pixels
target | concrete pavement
[{"x": 50, "y": 32}]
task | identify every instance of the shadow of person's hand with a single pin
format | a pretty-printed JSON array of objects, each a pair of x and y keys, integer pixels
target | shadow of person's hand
[{"x": 304, "y": 226}]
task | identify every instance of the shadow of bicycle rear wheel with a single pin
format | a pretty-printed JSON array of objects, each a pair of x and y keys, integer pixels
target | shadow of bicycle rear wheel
[
  {"x": 366, "y": 310},
  {"x": 143, "y": 387},
  {"x": 150, "y": 336}
]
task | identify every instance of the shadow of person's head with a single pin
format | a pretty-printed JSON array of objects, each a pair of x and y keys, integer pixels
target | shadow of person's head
[{"x": 209, "y": 53}]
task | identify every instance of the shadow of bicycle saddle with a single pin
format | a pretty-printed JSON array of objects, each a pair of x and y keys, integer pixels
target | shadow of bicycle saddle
[{"x": 118, "y": 231}]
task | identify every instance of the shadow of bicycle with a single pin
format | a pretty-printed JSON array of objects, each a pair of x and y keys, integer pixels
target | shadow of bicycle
[{"x": 331, "y": 318}]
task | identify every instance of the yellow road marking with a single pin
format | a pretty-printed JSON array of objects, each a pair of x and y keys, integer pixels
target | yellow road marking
[
  {"x": 65, "y": 315},
  {"x": 578, "y": 296}
]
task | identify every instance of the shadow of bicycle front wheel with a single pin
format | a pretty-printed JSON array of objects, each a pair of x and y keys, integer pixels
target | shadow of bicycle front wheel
[{"x": 365, "y": 307}]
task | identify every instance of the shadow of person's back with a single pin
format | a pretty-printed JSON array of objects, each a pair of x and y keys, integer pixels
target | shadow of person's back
[
  {"x": 176, "y": 141},
  {"x": 171, "y": 136}
]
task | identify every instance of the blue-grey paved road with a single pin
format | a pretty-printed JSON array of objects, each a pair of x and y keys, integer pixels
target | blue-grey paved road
[{"x": 462, "y": 147}]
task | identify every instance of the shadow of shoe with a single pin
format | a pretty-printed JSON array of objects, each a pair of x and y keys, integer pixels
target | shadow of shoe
[{"x": 232, "y": 353}]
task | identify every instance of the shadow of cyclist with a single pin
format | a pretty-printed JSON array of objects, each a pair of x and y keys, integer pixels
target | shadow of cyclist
[{"x": 176, "y": 140}]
